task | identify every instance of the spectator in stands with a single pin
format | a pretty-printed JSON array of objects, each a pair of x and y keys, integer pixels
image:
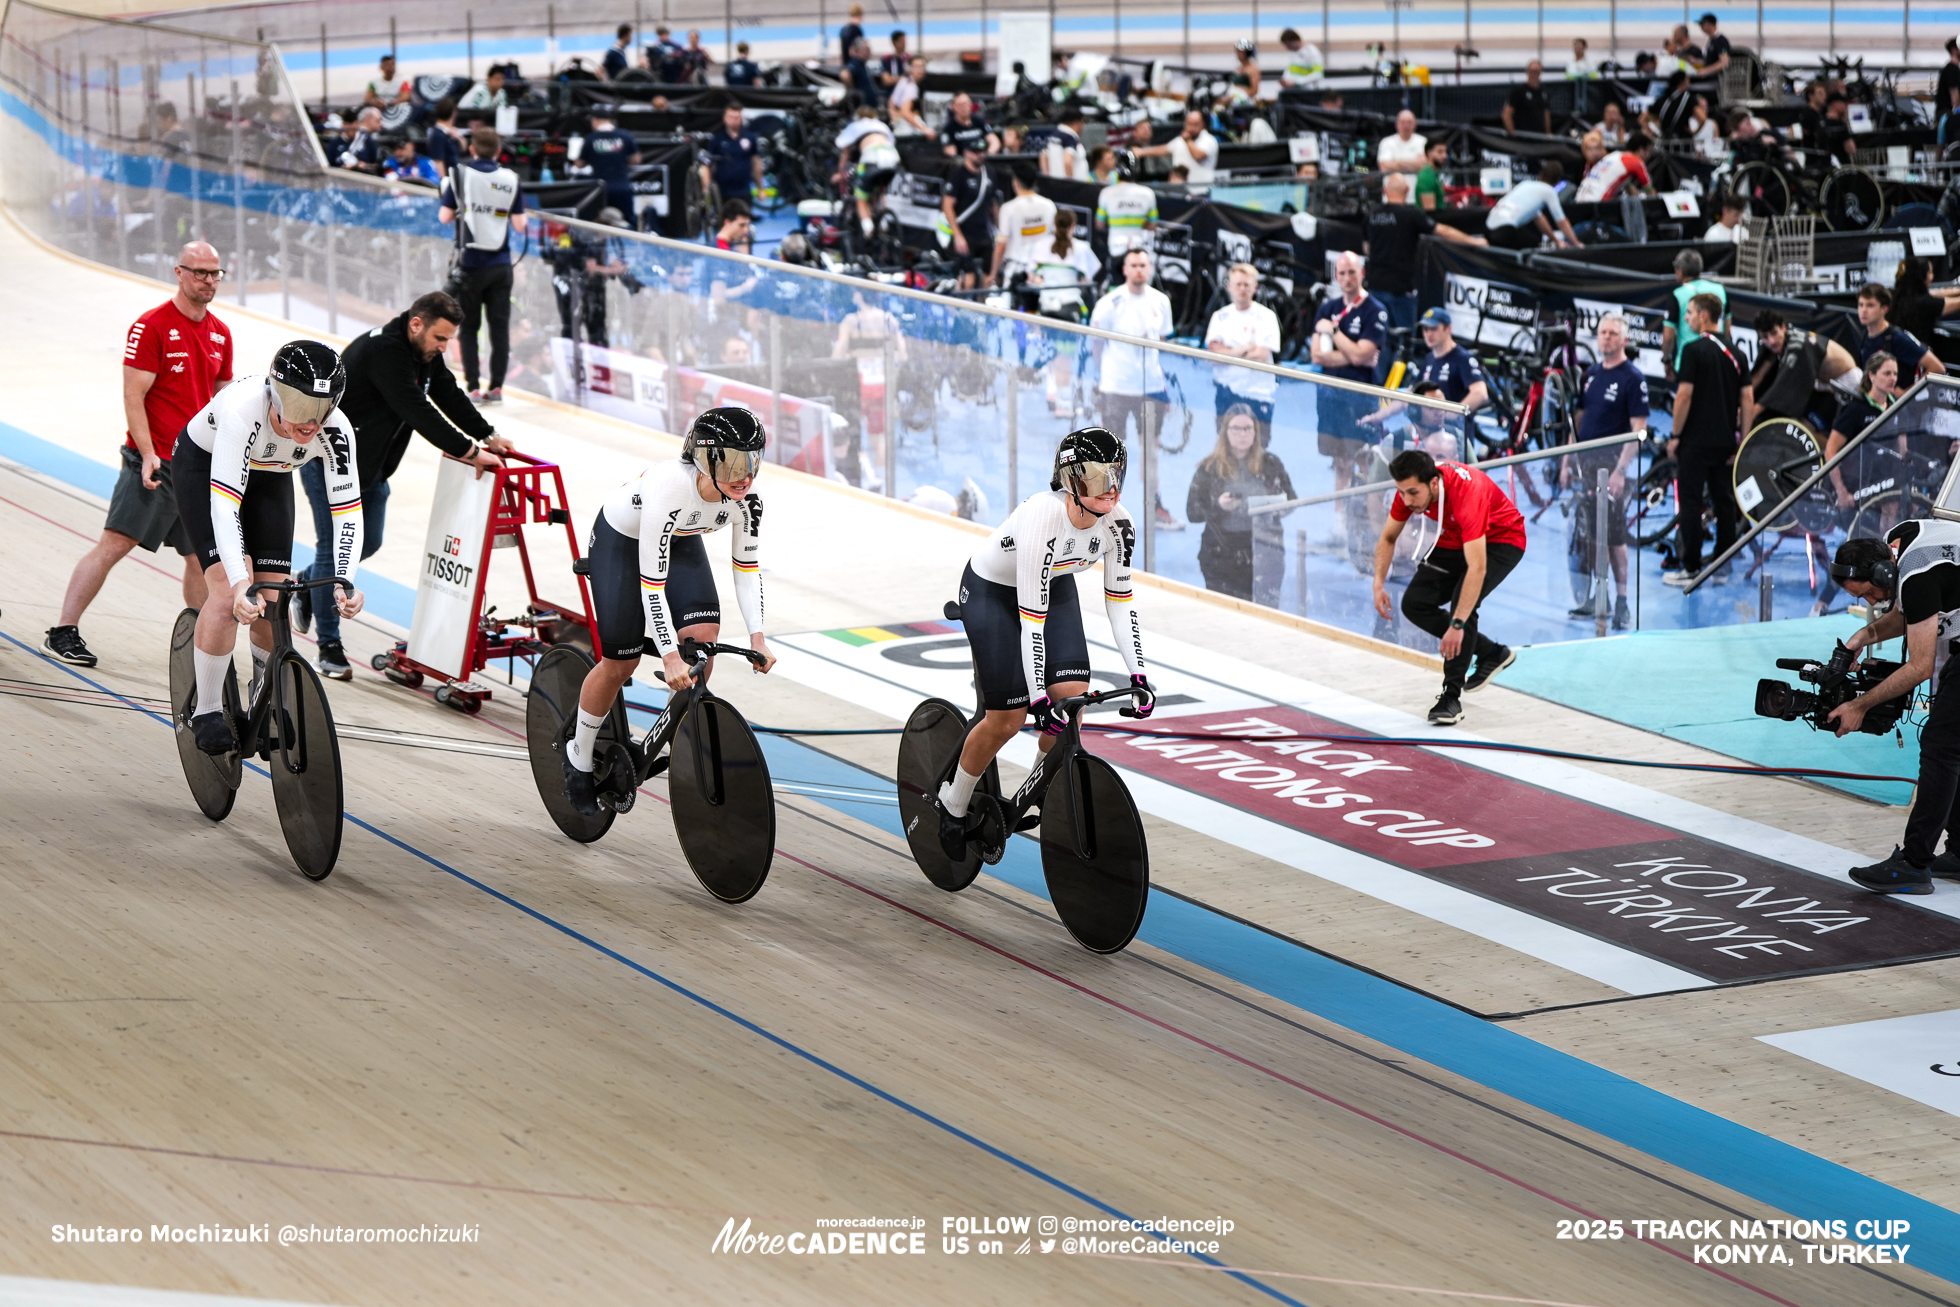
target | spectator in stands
[
  {"x": 1308, "y": 171},
  {"x": 1646, "y": 65},
  {"x": 665, "y": 57},
  {"x": 388, "y": 89},
  {"x": 581, "y": 263},
  {"x": 1613, "y": 125},
  {"x": 1728, "y": 229},
  {"x": 970, "y": 205},
  {"x": 859, "y": 77},
  {"x": 444, "y": 144},
  {"x": 1132, "y": 384},
  {"x": 1448, "y": 370},
  {"x": 1837, "y": 136},
  {"x": 1332, "y": 101},
  {"x": 1874, "y": 332},
  {"x": 1678, "y": 334},
  {"x": 1709, "y": 399},
  {"x": 1527, "y": 109},
  {"x": 1179, "y": 176},
  {"x": 487, "y": 203},
  {"x": 1350, "y": 331},
  {"x": 1705, "y": 135},
  {"x": 1583, "y": 67},
  {"x": 851, "y": 32},
  {"x": 1946, "y": 92},
  {"x": 1810, "y": 118},
  {"x": 733, "y": 164},
  {"x": 1517, "y": 219},
  {"x": 737, "y": 230},
  {"x": 1245, "y": 78},
  {"x": 1304, "y": 66},
  {"x": 1244, "y": 329},
  {"x": 1750, "y": 138},
  {"x": 1715, "y": 51},
  {"x": 1794, "y": 372},
  {"x": 404, "y": 166},
  {"x": 1062, "y": 151},
  {"x": 891, "y": 67},
  {"x": 1673, "y": 115},
  {"x": 1070, "y": 265},
  {"x": 1014, "y": 139},
  {"x": 1027, "y": 225},
  {"x": 741, "y": 70},
  {"x": 905, "y": 102},
  {"x": 1194, "y": 149},
  {"x": 1429, "y": 182},
  {"x": 618, "y": 56},
  {"x": 612, "y": 154},
  {"x": 1238, "y": 468},
  {"x": 486, "y": 94},
  {"x": 1592, "y": 148},
  {"x": 1612, "y": 402},
  {"x": 340, "y": 133},
  {"x": 365, "y": 151},
  {"x": 1126, "y": 210},
  {"x": 1681, "y": 54},
  {"x": 1404, "y": 151},
  {"x": 964, "y": 128},
  {"x": 1391, "y": 238},
  {"x": 1618, "y": 171},
  {"x": 1916, "y": 306}
]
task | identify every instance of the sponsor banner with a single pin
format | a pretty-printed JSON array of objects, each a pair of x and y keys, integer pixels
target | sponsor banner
[
  {"x": 1488, "y": 312},
  {"x": 1506, "y": 856},
  {"x": 448, "y": 582},
  {"x": 1644, "y": 327},
  {"x": 1916, "y": 1056}
]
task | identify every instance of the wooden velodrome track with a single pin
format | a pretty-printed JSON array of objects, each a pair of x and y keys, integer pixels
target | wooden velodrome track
[{"x": 575, "y": 1055}]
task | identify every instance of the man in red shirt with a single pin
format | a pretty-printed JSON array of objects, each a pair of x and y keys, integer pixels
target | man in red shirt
[
  {"x": 1479, "y": 539},
  {"x": 177, "y": 356}
]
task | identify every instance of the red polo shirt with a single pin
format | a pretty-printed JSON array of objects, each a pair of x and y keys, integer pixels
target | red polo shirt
[
  {"x": 191, "y": 361},
  {"x": 1473, "y": 506}
]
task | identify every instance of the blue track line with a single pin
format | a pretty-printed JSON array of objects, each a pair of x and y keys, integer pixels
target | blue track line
[{"x": 676, "y": 987}]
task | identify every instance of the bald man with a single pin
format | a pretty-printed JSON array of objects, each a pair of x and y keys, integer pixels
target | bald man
[{"x": 175, "y": 358}]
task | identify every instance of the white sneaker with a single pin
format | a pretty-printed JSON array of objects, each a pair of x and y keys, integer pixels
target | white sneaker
[{"x": 1677, "y": 578}]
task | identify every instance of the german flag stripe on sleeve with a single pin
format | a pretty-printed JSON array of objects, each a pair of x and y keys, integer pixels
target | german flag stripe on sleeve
[
  {"x": 648, "y": 583},
  {"x": 741, "y": 566},
  {"x": 220, "y": 488},
  {"x": 344, "y": 509},
  {"x": 1119, "y": 596},
  {"x": 1030, "y": 615}
]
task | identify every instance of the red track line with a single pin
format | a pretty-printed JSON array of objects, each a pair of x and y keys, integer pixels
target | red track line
[
  {"x": 1264, "y": 1070},
  {"x": 369, "y": 1175}
]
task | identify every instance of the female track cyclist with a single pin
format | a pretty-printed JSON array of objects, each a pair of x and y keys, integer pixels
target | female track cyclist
[
  {"x": 651, "y": 587},
  {"x": 1024, "y": 622}
]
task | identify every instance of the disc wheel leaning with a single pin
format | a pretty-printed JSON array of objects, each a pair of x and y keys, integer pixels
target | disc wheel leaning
[
  {"x": 1777, "y": 456},
  {"x": 1852, "y": 200},
  {"x": 1093, "y": 855},
  {"x": 213, "y": 781},
  {"x": 305, "y": 765},
  {"x": 724, "y": 803},
  {"x": 550, "y": 714}
]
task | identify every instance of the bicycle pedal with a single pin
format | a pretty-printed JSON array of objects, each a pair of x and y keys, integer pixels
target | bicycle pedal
[
  {"x": 659, "y": 766},
  {"x": 1028, "y": 822}
]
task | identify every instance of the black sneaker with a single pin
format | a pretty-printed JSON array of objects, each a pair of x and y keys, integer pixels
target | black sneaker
[
  {"x": 1583, "y": 610},
  {"x": 582, "y": 789},
  {"x": 302, "y": 612},
  {"x": 1894, "y": 876},
  {"x": 1622, "y": 615},
  {"x": 1945, "y": 865},
  {"x": 1448, "y": 710},
  {"x": 65, "y": 643},
  {"x": 333, "y": 661},
  {"x": 213, "y": 732},
  {"x": 1487, "y": 668}
]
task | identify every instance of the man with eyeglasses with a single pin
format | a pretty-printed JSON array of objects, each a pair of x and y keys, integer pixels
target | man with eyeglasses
[{"x": 175, "y": 358}]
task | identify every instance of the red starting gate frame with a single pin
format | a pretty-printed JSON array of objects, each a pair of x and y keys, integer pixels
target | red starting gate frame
[{"x": 529, "y": 492}]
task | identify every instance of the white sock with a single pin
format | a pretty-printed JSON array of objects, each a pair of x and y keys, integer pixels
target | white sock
[
  {"x": 958, "y": 792},
  {"x": 211, "y": 669},
  {"x": 585, "y": 739}
]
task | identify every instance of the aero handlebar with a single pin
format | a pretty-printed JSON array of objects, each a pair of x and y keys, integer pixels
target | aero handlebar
[{"x": 696, "y": 652}]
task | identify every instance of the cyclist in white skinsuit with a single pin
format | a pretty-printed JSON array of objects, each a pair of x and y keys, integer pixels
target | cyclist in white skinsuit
[
  {"x": 651, "y": 587},
  {"x": 232, "y": 473},
  {"x": 1023, "y": 620}
]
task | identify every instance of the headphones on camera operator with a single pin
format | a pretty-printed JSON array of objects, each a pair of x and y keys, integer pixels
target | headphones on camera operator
[{"x": 1879, "y": 567}]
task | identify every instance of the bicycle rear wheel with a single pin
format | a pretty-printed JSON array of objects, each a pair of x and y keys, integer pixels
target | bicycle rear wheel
[
  {"x": 550, "y": 715},
  {"x": 933, "y": 737},
  {"x": 213, "y": 780},
  {"x": 305, "y": 766}
]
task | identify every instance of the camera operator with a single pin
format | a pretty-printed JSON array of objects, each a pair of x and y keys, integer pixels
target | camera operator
[{"x": 1924, "y": 587}]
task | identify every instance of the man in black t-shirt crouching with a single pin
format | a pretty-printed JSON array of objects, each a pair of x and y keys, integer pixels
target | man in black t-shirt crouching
[{"x": 1924, "y": 581}]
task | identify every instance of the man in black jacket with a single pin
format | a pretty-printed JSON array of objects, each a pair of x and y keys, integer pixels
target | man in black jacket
[{"x": 397, "y": 383}]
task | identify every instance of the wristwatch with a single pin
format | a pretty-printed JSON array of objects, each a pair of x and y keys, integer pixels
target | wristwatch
[{"x": 1456, "y": 624}]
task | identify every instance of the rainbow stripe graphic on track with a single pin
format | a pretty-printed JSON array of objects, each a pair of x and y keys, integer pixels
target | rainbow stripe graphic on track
[{"x": 863, "y": 635}]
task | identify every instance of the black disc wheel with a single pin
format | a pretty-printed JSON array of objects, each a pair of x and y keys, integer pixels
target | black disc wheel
[
  {"x": 1852, "y": 200},
  {"x": 1777, "y": 456},
  {"x": 1093, "y": 855},
  {"x": 550, "y": 716},
  {"x": 724, "y": 804},
  {"x": 213, "y": 779},
  {"x": 305, "y": 764},
  {"x": 927, "y": 754}
]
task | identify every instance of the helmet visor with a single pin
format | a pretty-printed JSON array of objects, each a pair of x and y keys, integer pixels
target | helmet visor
[
  {"x": 1092, "y": 480},
  {"x": 297, "y": 408},
  {"x": 729, "y": 466}
]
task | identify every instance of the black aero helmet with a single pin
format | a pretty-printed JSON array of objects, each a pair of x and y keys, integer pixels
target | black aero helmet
[
  {"x": 726, "y": 443},
  {"x": 1089, "y": 462},
  {"x": 305, "y": 381}
]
